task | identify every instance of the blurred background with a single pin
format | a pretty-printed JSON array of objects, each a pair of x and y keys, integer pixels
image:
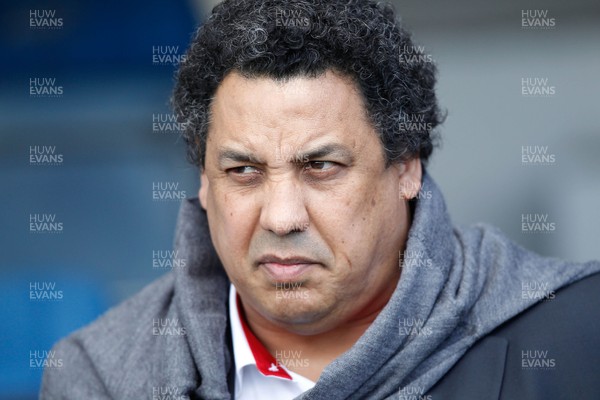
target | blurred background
[{"x": 92, "y": 170}]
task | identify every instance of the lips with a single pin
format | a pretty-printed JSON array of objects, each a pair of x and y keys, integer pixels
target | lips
[{"x": 282, "y": 269}]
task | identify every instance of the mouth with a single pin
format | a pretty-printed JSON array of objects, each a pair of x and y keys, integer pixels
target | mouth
[{"x": 282, "y": 269}]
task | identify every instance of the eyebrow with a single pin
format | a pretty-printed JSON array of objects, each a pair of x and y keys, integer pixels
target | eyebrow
[
  {"x": 237, "y": 156},
  {"x": 328, "y": 150},
  {"x": 231, "y": 155}
]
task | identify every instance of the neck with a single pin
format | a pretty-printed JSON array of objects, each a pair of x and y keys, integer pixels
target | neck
[{"x": 308, "y": 355}]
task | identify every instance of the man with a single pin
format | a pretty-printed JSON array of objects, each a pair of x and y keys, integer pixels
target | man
[{"x": 320, "y": 259}]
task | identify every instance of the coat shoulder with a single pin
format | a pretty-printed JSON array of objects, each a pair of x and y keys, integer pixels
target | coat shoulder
[
  {"x": 550, "y": 351},
  {"x": 108, "y": 353}
]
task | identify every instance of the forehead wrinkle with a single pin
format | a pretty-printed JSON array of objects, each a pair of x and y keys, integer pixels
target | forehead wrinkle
[{"x": 304, "y": 121}]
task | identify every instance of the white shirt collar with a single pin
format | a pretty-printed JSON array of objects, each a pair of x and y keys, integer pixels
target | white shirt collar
[{"x": 242, "y": 355}]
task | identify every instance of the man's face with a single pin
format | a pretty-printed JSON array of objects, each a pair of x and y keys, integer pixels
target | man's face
[{"x": 303, "y": 213}]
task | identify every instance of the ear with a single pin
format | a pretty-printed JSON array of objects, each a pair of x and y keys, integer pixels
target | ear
[
  {"x": 409, "y": 178},
  {"x": 203, "y": 192}
]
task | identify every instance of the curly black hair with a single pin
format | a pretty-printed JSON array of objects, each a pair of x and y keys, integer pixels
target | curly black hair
[{"x": 286, "y": 38}]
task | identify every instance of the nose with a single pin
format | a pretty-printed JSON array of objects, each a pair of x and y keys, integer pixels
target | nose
[{"x": 284, "y": 210}]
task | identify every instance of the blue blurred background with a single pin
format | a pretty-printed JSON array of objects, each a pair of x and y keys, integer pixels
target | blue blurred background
[
  {"x": 102, "y": 191},
  {"x": 102, "y": 125}
]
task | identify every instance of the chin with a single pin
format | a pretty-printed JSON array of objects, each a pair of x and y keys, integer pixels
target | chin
[{"x": 301, "y": 314}]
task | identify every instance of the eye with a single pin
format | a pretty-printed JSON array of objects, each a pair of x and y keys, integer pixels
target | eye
[
  {"x": 243, "y": 170},
  {"x": 320, "y": 165},
  {"x": 245, "y": 174}
]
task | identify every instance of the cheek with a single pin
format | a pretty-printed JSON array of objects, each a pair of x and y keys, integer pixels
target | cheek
[
  {"x": 360, "y": 208},
  {"x": 232, "y": 222},
  {"x": 358, "y": 223}
]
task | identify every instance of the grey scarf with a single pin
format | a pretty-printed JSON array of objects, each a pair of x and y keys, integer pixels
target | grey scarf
[{"x": 457, "y": 285}]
